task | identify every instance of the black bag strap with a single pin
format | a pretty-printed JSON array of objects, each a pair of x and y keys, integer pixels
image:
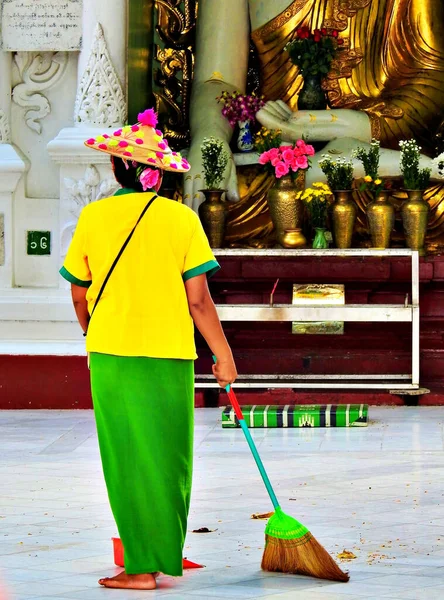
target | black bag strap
[{"x": 122, "y": 249}]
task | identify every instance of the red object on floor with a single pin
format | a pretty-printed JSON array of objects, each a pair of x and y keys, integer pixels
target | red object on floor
[{"x": 118, "y": 556}]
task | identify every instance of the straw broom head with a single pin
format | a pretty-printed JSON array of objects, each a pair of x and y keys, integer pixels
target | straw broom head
[{"x": 291, "y": 548}]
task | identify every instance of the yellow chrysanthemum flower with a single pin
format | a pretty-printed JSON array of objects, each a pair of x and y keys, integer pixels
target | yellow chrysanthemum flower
[
  {"x": 378, "y": 182},
  {"x": 368, "y": 179}
]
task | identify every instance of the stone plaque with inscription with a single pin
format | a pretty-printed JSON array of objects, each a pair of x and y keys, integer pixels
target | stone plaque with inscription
[{"x": 39, "y": 25}]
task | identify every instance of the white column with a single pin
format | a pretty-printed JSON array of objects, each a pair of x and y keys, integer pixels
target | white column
[
  {"x": 5, "y": 97},
  {"x": 11, "y": 170}
]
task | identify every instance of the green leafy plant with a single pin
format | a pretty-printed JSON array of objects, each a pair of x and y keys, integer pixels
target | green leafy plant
[
  {"x": 414, "y": 177},
  {"x": 215, "y": 160},
  {"x": 370, "y": 160},
  {"x": 339, "y": 172}
]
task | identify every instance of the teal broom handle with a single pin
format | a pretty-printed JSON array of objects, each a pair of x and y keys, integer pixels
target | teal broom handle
[
  {"x": 251, "y": 443},
  {"x": 258, "y": 460}
]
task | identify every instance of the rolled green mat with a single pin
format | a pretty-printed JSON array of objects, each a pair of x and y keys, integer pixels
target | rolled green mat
[{"x": 321, "y": 415}]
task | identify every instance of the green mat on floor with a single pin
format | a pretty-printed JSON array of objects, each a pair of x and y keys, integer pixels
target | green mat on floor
[{"x": 321, "y": 415}]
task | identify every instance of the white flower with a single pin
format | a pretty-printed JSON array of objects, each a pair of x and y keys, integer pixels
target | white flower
[{"x": 439, "y": 161}]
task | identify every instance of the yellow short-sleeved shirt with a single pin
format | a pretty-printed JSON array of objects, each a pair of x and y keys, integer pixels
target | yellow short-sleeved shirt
[{"x": 144, "y": 309}]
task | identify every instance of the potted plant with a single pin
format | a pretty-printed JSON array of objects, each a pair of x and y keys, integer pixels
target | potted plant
[
  {"x": 415, "y": 210},
  {"x": 380, "y": 212},
  {"x": 316, "y": 199},
  {"x": 240, "y": 109},
  {"x": 339, "y": 173},
  {"x": 288, "y": 165},
  {"x": 313, "y": 53},
  {"x": 212, "y": 211}
]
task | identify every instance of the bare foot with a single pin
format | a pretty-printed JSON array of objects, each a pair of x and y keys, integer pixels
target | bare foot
[{"x": 147, "y": 581}]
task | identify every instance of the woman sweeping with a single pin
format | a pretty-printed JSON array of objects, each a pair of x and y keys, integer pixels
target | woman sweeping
[{"x": 138, "y": 266}]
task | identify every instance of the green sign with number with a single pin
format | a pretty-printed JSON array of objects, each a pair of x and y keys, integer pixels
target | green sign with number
[{"x": 39, "y": 243}]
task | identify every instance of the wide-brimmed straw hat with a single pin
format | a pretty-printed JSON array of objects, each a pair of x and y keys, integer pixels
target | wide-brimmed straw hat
[{"x": 142, "y": 143}]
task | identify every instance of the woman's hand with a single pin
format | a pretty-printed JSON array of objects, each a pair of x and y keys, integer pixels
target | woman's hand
[
  {"x": 194, "y": 180},
  {"x": 225, "y": 372}
]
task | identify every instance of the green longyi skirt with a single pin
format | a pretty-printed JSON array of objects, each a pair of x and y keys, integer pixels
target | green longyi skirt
[{"x": 144, "y": 411}]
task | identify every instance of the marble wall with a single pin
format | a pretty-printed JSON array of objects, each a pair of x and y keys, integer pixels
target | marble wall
[{"x": 61, "y": 83}]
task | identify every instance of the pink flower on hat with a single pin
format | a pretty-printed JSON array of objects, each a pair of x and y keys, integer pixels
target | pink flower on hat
[
  {"x": 139, "y": 141},
  {"x": 91, "y": 141},
  {"x": 149, "y": 178},
  {"x": 123, "y": 143},
  {"x": 135, "y": 128},
  {"x": 103, "y": 147},
  {"x": 148, "y": 117},
  {"x": 162, "y": 146}
]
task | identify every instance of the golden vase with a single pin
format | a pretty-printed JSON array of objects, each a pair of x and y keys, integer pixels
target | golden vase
[
  {"x": 381, "y": 220},
  {"x": 343, "y": 217},
  {"x": 293, "y": 238},
  {"x": 415, "y": 216},
  {"x": 213, "y": 215},
  {"x": 286, "y": 211}
]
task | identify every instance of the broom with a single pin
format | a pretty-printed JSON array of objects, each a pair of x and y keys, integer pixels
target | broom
[{"x": 289, "y": 546}]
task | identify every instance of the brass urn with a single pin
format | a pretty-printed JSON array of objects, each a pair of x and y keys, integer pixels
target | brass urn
[
  {"x": 293, "y": 238},
  {"x": 343, "y": 217},
  {"x": 415, "y": 216},
  {"x": 381, "y": 220},
  {"x": 286, "y": 210},
  {"x": 213, "y": 215}
]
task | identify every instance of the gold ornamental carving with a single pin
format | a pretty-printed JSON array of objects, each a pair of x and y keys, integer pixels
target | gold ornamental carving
[
  {"x": 342, "y": 10},
  {"x": 176, "y": 24}
]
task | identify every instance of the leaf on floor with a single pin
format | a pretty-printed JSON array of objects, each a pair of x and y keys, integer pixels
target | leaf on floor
[
  {"x": 346, "y": 555},
  {"x": 204, "y": 530},
  {"x": 262, "y": 516}
]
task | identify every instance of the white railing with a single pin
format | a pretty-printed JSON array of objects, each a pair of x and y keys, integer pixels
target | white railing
[{"x": 407, "y": 312}]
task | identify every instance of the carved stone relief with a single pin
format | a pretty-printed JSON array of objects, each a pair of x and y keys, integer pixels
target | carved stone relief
[
  {"x": 100, "y": 99},
  {"x": 5, "y": 132},
  {"x": 38, "y": 71}
]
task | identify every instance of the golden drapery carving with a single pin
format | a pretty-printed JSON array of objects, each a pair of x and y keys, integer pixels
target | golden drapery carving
[
  {"x": 392, "y": 68},
  {"x": 176, "y": 24}
]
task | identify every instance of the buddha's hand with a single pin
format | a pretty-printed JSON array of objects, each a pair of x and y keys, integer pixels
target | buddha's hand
[
  {"x": 277, "y": 115},
  {"x": 194, "y": 180}
]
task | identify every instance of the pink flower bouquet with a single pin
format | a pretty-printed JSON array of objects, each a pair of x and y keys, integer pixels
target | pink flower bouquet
[{"x": 287, "y": 159}]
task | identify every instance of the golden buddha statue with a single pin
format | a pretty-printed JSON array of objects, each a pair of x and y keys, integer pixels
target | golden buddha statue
[{"x": 388, "y": 84}]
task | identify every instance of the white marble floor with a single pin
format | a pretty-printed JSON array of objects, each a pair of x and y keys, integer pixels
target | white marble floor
[{"x": 376, "y": 492}]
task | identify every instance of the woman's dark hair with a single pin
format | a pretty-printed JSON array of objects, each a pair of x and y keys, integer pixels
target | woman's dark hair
[{"x": 127, "y": 177}]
